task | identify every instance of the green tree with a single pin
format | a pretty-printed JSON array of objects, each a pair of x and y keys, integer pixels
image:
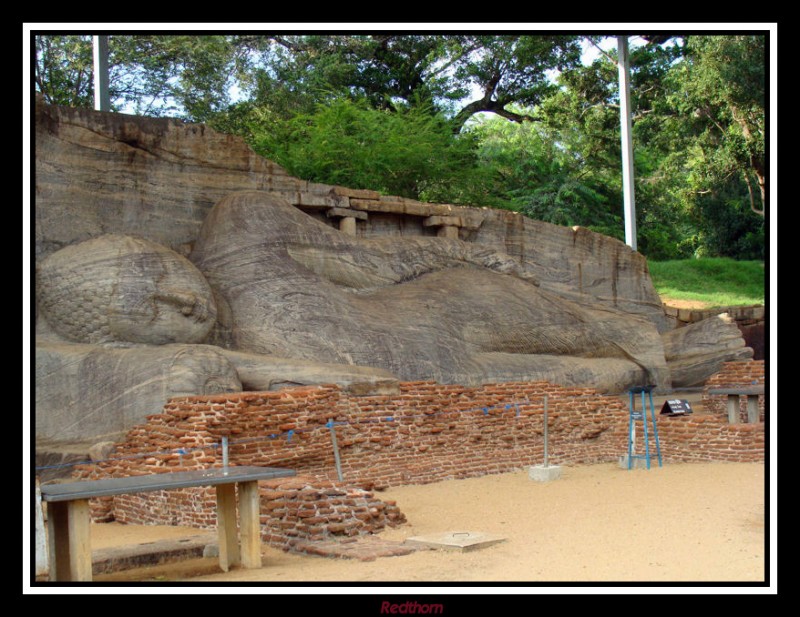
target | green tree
[
  {"x": 721, "y": 85},
  {"x": 697, "y": 137},
  {"x": 409, "y": 152},
  {"x": 187, "y": 76},
  {"x": 63, "y": 71},
  {"x": 540, "y": 171},
  {"x": 704, "y": 136},
  {"x": 437, "y": 72}
]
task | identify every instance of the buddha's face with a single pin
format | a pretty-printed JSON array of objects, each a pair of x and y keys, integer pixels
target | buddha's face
[{"x": 124, "y": 289}]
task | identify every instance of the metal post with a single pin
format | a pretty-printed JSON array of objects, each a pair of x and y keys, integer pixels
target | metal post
[
  {"x": 102, "y": 99},
  {"x": 644, "y": 430},
  {"x": 655, "y": 428},
  {"x": 627, "y": 141},
  {"x": 631, "y": 428},
  {"x": 545, "y": 432},
  {"x": 225, "y": 453},
  {"x": 335, "y": 451}
]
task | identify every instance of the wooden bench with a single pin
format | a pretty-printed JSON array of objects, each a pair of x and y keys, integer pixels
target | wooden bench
[
  {"x": 69, "y": 518},
  {"x": 751, "y": 392}
]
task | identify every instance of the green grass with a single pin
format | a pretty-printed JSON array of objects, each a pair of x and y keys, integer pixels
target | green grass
[{"x": 713, "y": 281}]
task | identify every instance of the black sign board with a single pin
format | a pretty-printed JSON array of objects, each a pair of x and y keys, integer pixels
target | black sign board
[{"x": 676, "y": 407}]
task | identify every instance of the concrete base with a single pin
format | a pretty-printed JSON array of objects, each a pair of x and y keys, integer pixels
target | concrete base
[
  {"x": 455, "y": 540},
  {"x": 540, "y": 473},
  {"x": 637, "y": 463}
]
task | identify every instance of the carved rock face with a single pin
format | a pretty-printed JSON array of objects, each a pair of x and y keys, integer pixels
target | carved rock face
[
  {"x": 117, "y": 288},
  {"x": 421, "y": 308},
  {"x": 94, "y": 392}
]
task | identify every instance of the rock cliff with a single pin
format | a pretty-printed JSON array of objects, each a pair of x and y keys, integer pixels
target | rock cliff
[{"x": 172, "y": 259}]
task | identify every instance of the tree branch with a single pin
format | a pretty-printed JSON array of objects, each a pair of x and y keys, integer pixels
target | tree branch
[
  {"x": 510, "y": 115},
  {"x": 290, "y": 45},
  {"x": 752, "y": 199},
  {"x": 602, "y": 51},
  {"x": 601, "y": 104},
  {"x": 486, "y": 104},
  {"x": 491, "y": 86},
  {"x": 463, "y": 53},
  {"x": 708, "y": 115}
]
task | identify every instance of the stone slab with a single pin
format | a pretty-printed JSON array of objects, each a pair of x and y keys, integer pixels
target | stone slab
[
  {"x": 114, "y": 559},
  {"x": 89, "y": 489},
  {"x": 456, "y": 540},
  {"x": 756, "y": 390},
  {"x": 344, "y": 191},
  {"x": 401, "y": 206},
  {"x": 438, "y": 221},
  {"x": 347, "y": 213}
]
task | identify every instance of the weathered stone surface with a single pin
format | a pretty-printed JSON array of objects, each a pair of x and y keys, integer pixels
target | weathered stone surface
[
  {"x": 111, "y": 173},
  {"x": 589, "y": 268},
  {"x": 346, "y": 213},
  {"x": 465, "y": 217},
  {"x": 400, "y": 205},
  {"x": 117, "y": 288},
  {"x": 101, "y": 450},
  {"x": 357, "y": 193},
  {"x": 421, "y": 308},
  {"x": 128, "y": 298},
  {"x": 100, "y": 173},
  {"x": 90, "y": 392},
  {"x": 696, "y": 351},
  {"x": 438, "y": 221},
  {"x": 261, "y": 372}
]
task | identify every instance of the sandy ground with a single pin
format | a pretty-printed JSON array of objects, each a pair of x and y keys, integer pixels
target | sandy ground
[
  {"x": 598, "y": 523},
  {"x": 685, "y": 304}
]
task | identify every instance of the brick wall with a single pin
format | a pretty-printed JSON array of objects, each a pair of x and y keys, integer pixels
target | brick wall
[
  {"x": 302, "y": 508},
  {"x": 699, "y": 438},
  {"x": 426, "y": 433},
  {"x": 292, "y": 509},
  {"x": 735, "y": 374}
]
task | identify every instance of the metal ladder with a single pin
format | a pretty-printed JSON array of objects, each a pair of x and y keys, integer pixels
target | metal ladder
[{"x": 633, "y": 416}]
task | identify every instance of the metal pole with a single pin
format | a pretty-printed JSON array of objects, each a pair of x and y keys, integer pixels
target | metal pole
[
  {"x": 545, "y": 431},
  {"x": 631, "y": 428},
  {"x": 335, "y": 451},
  {"x": 102, "y": 99},
  {"x": 225, "y": 453},
  {"x": 627, "y": 141}
]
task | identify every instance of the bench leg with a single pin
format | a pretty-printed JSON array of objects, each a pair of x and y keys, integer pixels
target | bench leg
[
  {"x": 250, "y": 524},
  {"x": 70, "y": 547},
  {"x": 733, "y": 409},
  {"x": 752, "y": 409},
  {"x": 226, "y": 527}
]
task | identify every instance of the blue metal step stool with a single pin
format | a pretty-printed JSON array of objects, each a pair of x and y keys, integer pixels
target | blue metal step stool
[{"x": 633, "y": 416}]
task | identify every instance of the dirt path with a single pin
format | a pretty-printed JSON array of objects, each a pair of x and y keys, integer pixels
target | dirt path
[{"x": 598, "y": 523}]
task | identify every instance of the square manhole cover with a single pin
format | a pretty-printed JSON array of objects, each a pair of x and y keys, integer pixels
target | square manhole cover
[{"x": 456, "y": 540}]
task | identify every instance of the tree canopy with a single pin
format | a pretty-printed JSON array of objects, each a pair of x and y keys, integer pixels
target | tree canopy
[{"x": 514, "y": 121}]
